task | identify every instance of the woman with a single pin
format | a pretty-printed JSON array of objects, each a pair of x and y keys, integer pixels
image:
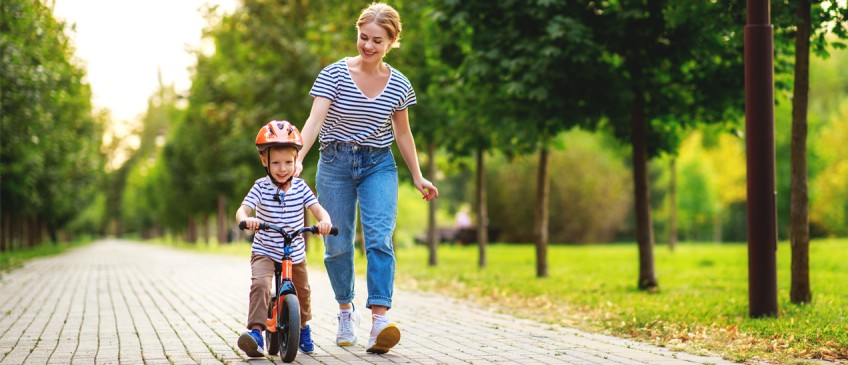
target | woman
[{"x": 359, "y": 107}]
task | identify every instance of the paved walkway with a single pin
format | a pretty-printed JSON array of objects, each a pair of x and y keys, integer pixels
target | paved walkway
[{"x": 118, "y": 302}]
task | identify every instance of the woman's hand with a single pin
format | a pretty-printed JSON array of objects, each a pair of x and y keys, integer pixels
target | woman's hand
[
  {"x": 298, "y": 168},
  {"x": 427, "y": 189}
]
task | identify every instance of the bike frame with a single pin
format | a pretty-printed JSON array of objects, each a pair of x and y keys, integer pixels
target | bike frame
[
  {"x": 283, "y": 270},
  {"x": 283, "y": 283}
]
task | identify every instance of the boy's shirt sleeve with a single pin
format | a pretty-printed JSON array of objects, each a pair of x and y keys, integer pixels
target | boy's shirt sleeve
[{"x": 253, "y": 198}]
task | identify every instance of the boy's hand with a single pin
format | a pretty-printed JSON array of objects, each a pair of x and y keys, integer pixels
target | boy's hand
[
  {"x": 324, "y": 227},
  {"x": 252, "y": 223}
]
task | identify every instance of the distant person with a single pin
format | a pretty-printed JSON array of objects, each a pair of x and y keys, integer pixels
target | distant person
[
  {"x": 359, "y": 107},
  {"x": 463, "y": 218},
  {"x": 278, "y": 199}
]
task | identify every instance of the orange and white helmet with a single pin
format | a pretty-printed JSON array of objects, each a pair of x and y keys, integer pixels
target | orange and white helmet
[{"x": 278, "y": 133}]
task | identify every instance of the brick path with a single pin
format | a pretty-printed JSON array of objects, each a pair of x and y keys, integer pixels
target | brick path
[{"x": 117, "y": 302}]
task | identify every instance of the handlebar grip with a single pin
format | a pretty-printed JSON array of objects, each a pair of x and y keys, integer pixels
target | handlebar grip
[
  {"x": 262, "y": 225},
  {"x": 314, "y": 229}
]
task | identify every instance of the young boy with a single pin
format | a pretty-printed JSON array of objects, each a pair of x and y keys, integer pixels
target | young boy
[{"x": 278, "y": 199}]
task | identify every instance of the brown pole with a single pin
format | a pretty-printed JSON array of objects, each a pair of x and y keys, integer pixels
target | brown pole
[{"x": 759, "y": 132}]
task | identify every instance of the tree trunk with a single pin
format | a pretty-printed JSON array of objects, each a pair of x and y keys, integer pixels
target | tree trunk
[
  {"x": 222, "y": 219},
  {"x": 482, "y": 216},
  {"x": 543, "y": 188},
  {"x": 5, "y": 232},
  {"x": 644, "y": 231},
  {"x": 672, "y": 197},
  {"x": 191, "y": 231},
  {"x": 205, "y": 228},
  {"x": 799, "y": 199},
  {"x": 53, "y": 233},
  {"x": 432, "y": 227},
  {"x": 34, "y": 232}
]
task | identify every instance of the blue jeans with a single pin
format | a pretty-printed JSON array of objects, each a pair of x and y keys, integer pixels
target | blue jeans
[{"x": 349, "y": 174}]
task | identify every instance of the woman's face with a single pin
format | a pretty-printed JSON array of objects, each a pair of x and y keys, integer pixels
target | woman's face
[{"x": 373, "y": 42}]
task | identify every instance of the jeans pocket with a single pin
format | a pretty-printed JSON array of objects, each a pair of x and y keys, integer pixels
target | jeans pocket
[
  {"x": 379, "y": 156},
  {"x": 327, "y": 156}
]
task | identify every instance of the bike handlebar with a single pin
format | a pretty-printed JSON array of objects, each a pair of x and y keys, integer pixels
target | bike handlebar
[{"x": 265, "y": 226}]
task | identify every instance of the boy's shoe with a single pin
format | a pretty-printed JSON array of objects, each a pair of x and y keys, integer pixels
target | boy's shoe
[
  {"x": 306, "y": 346},
  {"x": 384, "y": 335},
  {"x": 348, "y": 321},
  {"x": 251, "y": 343}
]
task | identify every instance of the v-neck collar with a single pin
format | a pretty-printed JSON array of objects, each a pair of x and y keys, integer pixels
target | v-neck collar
[{"x": 386, "y": 86}]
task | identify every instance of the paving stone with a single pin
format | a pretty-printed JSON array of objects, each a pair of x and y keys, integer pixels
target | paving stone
[{"x": 121, "y": 302}]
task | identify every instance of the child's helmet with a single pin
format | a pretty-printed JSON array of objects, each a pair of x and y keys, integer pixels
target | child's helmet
[{"x": 278, "y": 133}]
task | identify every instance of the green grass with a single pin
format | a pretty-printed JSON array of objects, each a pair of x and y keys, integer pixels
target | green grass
[
  {"x": 10, "y": 260},
  {"x": 701, "y": 307}
]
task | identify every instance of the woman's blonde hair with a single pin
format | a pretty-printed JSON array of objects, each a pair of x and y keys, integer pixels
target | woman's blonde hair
[{"x": 386, "y": 17}]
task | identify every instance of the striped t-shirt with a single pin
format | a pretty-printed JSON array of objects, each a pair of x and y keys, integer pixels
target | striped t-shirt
[
  {"x": 353, "y": 117},
  {"x": 287, "y": 213}
]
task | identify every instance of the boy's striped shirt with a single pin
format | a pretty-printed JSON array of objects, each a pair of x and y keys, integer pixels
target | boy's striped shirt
[{"x": 288, "y": 213}]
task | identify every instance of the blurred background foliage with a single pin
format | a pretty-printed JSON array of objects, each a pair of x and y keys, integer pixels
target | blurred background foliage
[{"x": 185, "y": 167}]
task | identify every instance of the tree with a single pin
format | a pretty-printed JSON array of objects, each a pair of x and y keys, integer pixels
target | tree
[
  {"x": 536, "y": 65},
  {"x": 677, "y": 63},
  {"x": 420, "y": 59},
  {"x": 828, "y": 19},
  {"x": 50, "y": 148},
  {"x": 261, "y": 70}
]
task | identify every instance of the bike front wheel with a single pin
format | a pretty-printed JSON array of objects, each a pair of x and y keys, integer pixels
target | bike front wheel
[{"x": 288, "y": 322}]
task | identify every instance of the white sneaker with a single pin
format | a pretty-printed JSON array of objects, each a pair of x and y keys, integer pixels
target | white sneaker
[
  {"x": 348, "y": 321},
  {"x": 384, "y": 335}
]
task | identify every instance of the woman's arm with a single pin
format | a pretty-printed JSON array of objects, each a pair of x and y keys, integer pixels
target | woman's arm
[
  {"x": 320, "y": 108},
  {"x": 406, "y": 145}
]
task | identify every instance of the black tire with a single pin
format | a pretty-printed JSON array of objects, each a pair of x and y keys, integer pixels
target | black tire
[
  {"x": 289, "y": 334},
  {"x": 272, "y": 338}
]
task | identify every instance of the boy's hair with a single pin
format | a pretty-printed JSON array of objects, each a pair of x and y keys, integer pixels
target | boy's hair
[{"x": 278, "y": 147}]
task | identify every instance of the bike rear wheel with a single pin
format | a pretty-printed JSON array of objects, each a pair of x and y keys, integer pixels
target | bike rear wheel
[
  {"x": 272, "y": 338},
  {"x": 288, "y": 321}
]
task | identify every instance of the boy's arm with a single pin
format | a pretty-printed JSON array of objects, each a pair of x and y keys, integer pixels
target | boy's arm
[
  {"x": 244, "y": 214},
  {"x": 324, "y": 221}
]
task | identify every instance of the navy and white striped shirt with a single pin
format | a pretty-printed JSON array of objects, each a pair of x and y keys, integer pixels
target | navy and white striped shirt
[
  {"x": 353, "y": 117},
  {"x": 288, "y": 213}
]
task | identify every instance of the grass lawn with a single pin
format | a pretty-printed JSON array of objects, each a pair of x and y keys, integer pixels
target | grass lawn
[{"x": 701, "y": 307}]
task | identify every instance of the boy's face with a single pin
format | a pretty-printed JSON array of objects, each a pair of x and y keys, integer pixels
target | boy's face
[{"x": 281, "y": 163}]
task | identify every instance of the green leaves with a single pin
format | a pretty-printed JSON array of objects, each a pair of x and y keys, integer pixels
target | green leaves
[{"x": 51, "y": 141}]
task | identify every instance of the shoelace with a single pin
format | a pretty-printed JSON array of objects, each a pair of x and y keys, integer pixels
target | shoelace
[{"x": 344, "y": 324}]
